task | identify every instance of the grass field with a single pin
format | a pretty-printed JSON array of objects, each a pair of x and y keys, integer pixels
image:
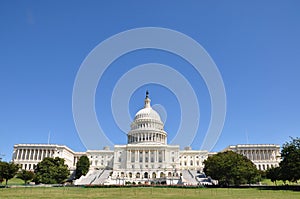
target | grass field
[{"x": 143, "y": 192}]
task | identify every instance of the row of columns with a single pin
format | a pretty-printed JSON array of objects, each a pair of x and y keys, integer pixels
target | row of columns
[
  {"x": 264, "y": 167},
  {"x": 259, "y": 154},
  {"x": 33, "y": 154},
  {"x": 147, "y": 125},
  {"x": 152, "y": 137},
  {"x": 137, "y": 155}
]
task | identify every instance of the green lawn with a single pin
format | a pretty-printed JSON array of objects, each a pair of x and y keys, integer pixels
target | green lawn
[
  {"x": 14, "y": 181},
  {"x": 143, "y": 192},
  {"x": 279, "y": 182}
]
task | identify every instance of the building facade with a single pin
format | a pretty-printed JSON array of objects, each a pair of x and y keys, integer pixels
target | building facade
[
  {"x": 146, "y": 158},
  {"x": 264, "y": 156}
]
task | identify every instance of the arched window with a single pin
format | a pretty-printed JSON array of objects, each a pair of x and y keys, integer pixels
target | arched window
[
  {"x": 162, "y": 175},
  {"x": 153, "y": 175},
  {"x": 146, "y": 175},
  {"x": 138, "y": 175}
]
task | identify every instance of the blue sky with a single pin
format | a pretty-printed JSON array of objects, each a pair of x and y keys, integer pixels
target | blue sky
[{"x": 254, "y": 44}]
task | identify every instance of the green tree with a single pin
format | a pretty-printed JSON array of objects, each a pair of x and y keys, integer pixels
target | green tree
[
  {"x": 82, "y": 166},
  {"x": 8, "y": 171},
  {"x": 290, "y": 164},
  {"x": 25, "y": 175},
  {"x": 51, "y": 171},
  {"x": 273, "y": 174},
  {"x": 230, "y": 168}
]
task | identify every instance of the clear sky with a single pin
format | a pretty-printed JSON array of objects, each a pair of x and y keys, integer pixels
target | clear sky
[{"x": 255, "y": 45}]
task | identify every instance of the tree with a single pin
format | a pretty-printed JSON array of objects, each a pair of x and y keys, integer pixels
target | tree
[
  {"x": 82, "y": 166},
  {"x": 8, "y": 171},
  {"x": 273, "y": 174},
  {"x": 230, "y": 168},
  {"x": 290, "y": 164},
  {"x": 51, "y": 171},
  {"x": 25, "y": 175}
]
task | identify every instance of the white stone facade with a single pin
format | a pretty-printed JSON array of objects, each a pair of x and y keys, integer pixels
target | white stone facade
[
  {"x": 147, "y": 158},
  {"x": 264, "y": 156},
  {"x": 28, "y": 155}
]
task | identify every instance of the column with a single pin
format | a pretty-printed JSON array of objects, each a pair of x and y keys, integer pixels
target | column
[
  {"x": 30, "y": 154},
  {"x": 25, "y": 158},
  {"x": 42, "y": 156},
  {"x": 33, "y": 155},
  {"x": 18, "y": 152},
  {"x": 37, "y": 154}
]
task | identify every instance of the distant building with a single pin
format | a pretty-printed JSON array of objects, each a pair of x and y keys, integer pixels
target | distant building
[
  {"x": 264, "y": 156},
  {"x": 146, "y": 158}
]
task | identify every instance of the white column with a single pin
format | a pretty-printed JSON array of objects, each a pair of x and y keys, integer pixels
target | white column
[
  {"x": 26, "y": 151},
  {"x": 42, "y": 156},
  {"x": 30, "y": 153},
  {"x": 18, "y": 152},
  {"x": 127, "y": 155},
  {"x": 34, "y": 152}
]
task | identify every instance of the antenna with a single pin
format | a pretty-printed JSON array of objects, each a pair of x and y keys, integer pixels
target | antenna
[
  {"x": 49, "y": 137},
  {"x": 247, "y": 139}
]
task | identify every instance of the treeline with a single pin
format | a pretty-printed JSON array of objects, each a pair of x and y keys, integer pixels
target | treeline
[
  {"x": 48, "y": 171},
  {"x": 289, "y": 167},
  {"x": 232, "y": 169}
]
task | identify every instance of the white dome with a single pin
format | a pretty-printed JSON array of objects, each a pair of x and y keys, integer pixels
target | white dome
[
  {"x": 147, "y": 127},
  {"x": 147, "y": 113}
]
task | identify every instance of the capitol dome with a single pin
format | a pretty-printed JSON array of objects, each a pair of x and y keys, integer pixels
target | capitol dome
[{"x": 147, "y": 127}]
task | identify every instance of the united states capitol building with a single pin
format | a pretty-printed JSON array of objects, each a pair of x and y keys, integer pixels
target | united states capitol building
[{"x": 146, "y": 158}]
